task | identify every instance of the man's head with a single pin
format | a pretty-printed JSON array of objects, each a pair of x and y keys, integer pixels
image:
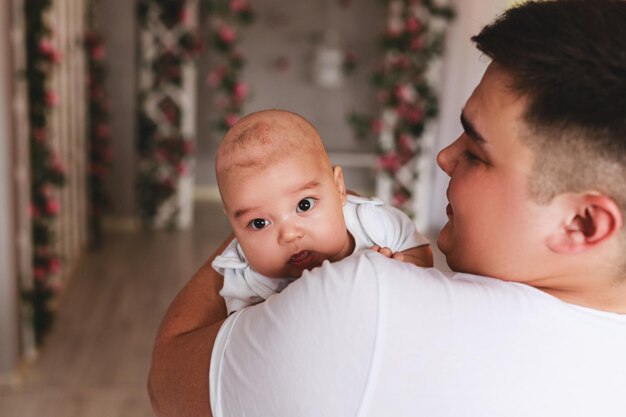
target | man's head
[
  {"x": 537, "y": 178},
  {"x": 568, "y": 59},
  {"x": 281, "y": 195}
]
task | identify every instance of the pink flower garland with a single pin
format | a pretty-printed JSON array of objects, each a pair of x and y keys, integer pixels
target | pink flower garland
[
  {"x": 228, "y": 17},
  {"x": 47, "y": 170},
  {"x": 100, "y": 152},
  {"x": 402, "y": 88}
]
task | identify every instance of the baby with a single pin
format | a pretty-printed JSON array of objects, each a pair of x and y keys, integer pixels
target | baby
[{"x": 289, "y": 210}]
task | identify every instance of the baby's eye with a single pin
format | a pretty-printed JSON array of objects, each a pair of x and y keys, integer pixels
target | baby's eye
[
  {"x": 306, "y": 204},
  {"x": 258, "y": 224}
]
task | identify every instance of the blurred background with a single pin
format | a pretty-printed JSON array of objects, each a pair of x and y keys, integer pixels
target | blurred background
[{"x": 110, "y": 114}]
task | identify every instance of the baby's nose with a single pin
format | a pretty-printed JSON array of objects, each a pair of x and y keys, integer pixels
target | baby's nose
[{"x": 289, "y": 233}]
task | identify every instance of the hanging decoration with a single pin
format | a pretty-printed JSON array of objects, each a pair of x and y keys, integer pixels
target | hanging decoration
[
  {"x": 328, "y": 61},
  {"x": 226, "y": 19},
  {"x": 100, "y": 154},
  {"x": 168, "y": 46},
  {"x": 47, "y": 170},
  {"x": 413, "y": 38}
]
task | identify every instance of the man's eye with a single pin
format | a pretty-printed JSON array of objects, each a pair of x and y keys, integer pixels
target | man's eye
[
  {"x": 258, "y": 224},
  {"x": 471, "y": 156},
  {"x": 306, "y": 204}
]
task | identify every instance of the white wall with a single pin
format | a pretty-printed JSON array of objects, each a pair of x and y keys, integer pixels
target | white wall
[
  {"x": 116, "y": 20},
  {"x": 290, "y": 29}
]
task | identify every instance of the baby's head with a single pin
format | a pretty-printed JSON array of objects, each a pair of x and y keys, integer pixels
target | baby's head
[
  {"x": 263, "y": 138},
  {"x": 281, "y": 194}
]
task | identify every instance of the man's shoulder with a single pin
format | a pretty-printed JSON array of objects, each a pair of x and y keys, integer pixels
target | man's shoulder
[
  {"x": 388, "y": 285},
  {"x": 367, "y": 267}
]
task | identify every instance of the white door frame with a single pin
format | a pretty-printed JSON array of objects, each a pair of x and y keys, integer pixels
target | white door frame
[{"x": 9, "y": 297}]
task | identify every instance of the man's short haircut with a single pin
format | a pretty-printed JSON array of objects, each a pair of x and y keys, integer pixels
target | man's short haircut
[{"x": 568, "y": 59}]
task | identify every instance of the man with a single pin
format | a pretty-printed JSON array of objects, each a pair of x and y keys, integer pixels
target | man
[{"x": 533, "y": 323}]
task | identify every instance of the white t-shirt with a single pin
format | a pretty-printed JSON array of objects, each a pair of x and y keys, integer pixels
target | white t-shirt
[
  {"x": 369, "y": 221},
  {"x": 369, "y": 336}
]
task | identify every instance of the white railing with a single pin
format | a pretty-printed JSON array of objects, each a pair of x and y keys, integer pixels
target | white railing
[{"x": 153, "y": 39}]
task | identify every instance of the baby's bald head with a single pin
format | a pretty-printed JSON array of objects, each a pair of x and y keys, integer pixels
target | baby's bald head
[{"x": 264, "y": 138}]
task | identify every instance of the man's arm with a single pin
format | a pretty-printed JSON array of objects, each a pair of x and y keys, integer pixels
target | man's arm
[{"x": 178, "y": 383}]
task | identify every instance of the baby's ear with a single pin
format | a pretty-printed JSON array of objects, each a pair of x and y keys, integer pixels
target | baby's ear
[
  {"x": 340, "y": 184},
  {"x": 593, "y": 219}
]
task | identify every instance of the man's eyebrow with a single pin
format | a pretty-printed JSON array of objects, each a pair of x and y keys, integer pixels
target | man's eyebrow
[{"x": 470, "y": 130}]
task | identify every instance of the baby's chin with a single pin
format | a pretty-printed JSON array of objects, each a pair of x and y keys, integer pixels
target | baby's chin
[
  {"x": 291, "y": 272},
  {"x": 294, "y": 268}
]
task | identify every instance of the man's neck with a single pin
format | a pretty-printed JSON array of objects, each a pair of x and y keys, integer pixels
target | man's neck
[{"x": 610, "y": 297}]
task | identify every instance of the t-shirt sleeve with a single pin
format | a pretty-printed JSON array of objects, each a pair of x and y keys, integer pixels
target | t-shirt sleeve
[
  {"x": 311, "y": 344},
  {"x": 389, "y": 227},
  {"x": 243, "y": 286}
]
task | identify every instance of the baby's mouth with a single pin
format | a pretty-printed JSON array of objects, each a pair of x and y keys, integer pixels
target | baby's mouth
[{"x": 304, "y": 260}]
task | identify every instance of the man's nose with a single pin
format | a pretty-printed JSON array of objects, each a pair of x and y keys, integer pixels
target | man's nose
[
  {"x": 448, "y": 157},
  {"x": 289, "y": 233}
]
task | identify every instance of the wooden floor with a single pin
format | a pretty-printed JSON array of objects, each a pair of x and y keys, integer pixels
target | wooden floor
[{"x": 95, "y": 362}]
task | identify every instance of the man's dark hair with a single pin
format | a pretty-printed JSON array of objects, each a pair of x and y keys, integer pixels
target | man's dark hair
[{"x": 568, "y": 59}]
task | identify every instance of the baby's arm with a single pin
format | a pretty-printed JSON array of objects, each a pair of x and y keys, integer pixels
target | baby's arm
[{"x": 420, "y": 255}]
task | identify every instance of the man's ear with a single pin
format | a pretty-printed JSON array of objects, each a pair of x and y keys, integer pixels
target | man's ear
[
  {"x": 340, "y": 184},
  {"x": 592, "y": 220}
]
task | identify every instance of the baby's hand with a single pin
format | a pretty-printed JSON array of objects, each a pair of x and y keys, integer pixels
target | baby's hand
[
  {"x": 388, "y": 253},
  {"x": 420, "y": 256}
]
